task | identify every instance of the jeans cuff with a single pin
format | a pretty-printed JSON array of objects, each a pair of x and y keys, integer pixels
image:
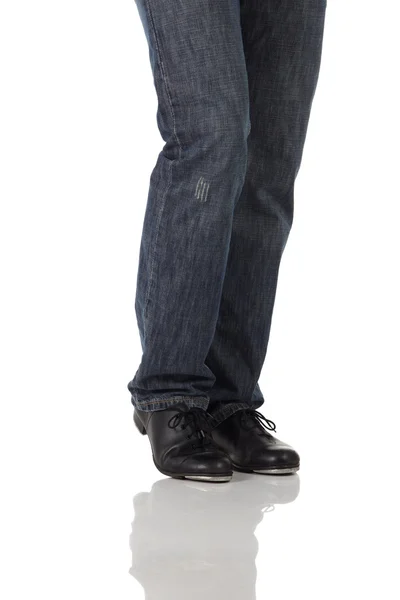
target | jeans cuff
[
  {"x": 224, "y": 410},
  {"x": 161, "y": 402}
]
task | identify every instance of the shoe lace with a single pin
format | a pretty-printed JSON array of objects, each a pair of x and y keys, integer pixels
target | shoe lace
[
  {"x": 250, "y": 418},
  {"x": 199, "y": 422}
]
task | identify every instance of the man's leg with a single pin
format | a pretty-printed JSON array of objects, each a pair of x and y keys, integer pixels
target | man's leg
[
  {"x": 200, "y": 77},
  {"x": 282, "y": 42}
]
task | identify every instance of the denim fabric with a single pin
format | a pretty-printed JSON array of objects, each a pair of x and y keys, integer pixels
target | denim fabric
[{"x": 235, "y": 81}]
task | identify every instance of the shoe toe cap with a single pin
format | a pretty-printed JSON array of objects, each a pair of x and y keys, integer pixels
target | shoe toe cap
[
  {"x": 207, "y": 463},
  {"x": 277, "y": 457}
]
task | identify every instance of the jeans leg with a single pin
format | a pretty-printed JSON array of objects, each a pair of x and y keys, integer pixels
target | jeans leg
[
  {"x": 282, "y": 42},
  {"x": 197, "y": 59}
]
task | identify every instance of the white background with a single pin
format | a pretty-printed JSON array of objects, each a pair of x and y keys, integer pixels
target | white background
[{"x": 78, "y": 140}]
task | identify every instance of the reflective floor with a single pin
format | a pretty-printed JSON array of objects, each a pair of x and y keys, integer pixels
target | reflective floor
[
  {"x": 199, "y": 540},
  {"x": 259, "y": 536},
  {"x": 85, "y": 514}
]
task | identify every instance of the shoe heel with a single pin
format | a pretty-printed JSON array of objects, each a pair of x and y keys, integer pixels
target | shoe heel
[{"x": 139, "y": 423}]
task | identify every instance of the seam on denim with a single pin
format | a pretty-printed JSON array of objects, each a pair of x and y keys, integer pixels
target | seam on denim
[
  {"x": 168, "y": 398},
  {"x": 165, "y": 400},
  {"x": 150, "y": 406},
  {"x": 164, "y": 76},
  {"x": 150, "y": 284}
]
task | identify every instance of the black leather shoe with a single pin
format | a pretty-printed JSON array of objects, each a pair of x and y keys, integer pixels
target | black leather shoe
[
  {"x": 182, "y": 445},
  {"x": 251, "y": 448}
]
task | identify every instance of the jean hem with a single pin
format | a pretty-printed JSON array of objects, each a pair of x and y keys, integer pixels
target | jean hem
[
  {"x": 162, "y": 402},
  {"x": 222, "y": 413}
]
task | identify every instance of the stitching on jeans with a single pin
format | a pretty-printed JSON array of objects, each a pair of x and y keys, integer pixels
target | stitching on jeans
[
  {"x": 165, "y": 400},
  {"x": 162, "y": 204},
  {"x": 164, "y": 75},
  {"x": 157, "y": 227}
]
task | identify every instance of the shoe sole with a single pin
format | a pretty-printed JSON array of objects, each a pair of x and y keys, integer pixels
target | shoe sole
[
  {"x": 217, "y": 478},
  {"x": 282, "y": 471},
  {"x": 194, "y": 477}
]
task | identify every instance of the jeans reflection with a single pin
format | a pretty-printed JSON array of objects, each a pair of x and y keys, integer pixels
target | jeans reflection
[{"x": 195, "y": 541}]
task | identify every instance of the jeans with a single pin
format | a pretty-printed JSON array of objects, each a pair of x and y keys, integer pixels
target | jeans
[{"x": 235, "y": 81}]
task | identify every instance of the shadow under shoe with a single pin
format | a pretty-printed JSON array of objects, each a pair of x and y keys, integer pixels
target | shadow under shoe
[
  {"x": 181, "y": 443},
  {"x": 251, "y": 448}
]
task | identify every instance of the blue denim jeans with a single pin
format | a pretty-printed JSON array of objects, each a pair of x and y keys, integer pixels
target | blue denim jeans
[{"x": 235, "y": 81}]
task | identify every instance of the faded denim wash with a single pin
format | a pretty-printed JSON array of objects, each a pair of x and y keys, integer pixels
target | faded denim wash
[{"x": 235, "y": 81}]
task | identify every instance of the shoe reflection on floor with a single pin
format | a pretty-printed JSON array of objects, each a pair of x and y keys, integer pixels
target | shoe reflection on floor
[{"x": 193, "y": 540}]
